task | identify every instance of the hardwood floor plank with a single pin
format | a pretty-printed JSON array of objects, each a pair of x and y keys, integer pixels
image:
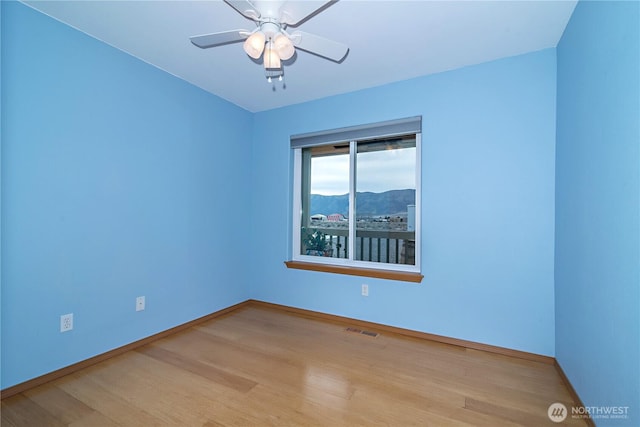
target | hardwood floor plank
[
  {"x": 261, "y": 366},
  {"x": 94, "y": 419},
  {"x": 21, "y": 411},
  {"x": 84, "y": 387},
  {"x": 188, "y": 364},
  {"x": 524, "y": 418},
  {"x": 170, "y": 394},
  {"x": 59, "y": 403}
]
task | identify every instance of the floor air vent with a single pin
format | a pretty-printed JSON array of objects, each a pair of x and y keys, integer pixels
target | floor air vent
[{"x": 360, "y": 331}]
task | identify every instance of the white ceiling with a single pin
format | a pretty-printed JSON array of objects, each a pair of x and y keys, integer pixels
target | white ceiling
[{"x": 388, "y": 40}]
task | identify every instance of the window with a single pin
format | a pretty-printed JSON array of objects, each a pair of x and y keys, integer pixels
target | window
[{"x": 357, "y": 198}]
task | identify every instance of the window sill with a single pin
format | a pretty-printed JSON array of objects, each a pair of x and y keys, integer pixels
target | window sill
[{"x": 404, "y": 276}]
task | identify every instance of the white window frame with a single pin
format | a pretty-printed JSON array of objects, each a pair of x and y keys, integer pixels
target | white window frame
[{"x": 296, "y": 254}]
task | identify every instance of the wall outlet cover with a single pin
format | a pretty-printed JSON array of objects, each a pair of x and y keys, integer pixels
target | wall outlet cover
[
  {"x": 365, "y": 290},
  {"x": 66, "y": 322},
  {"x": 140, "y": 303}
]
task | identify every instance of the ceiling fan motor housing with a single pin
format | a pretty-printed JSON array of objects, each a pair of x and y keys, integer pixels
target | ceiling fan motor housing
[{"x": 270, "y": 29}]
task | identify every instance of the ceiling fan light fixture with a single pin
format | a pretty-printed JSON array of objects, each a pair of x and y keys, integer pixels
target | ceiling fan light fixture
[
  {"x": 283, "y": 46},
  {"x": 270, "y": 41},
  {"x": 271, "y": 58},
  {"x": 254, "y": 45}
]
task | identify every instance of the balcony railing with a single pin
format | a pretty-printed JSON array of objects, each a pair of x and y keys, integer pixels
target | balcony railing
[{"x": 386, "y": 246}]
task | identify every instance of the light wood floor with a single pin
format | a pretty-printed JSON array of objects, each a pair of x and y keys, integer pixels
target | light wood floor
[{"x": 259, "y": 366}]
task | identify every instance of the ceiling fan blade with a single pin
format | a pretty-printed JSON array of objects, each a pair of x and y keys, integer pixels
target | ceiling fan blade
[
  {"x": 320, "y": 46},
  {"x": 245, "y": 7},
  {"x": 294, "y": 12},
  {"x": 216, "y": 39}
]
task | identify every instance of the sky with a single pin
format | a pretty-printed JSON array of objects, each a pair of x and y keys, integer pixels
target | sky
[{"x": 378, "y": 171}]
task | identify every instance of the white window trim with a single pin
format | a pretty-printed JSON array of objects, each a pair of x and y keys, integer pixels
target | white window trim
[{"x": 297, "y": 217}]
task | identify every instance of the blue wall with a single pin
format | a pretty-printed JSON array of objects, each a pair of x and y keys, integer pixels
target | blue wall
[
  {"x": 597, "y": 271},
  {"x": 118, "y": 180},
  {"x": 488, "y": 164}
]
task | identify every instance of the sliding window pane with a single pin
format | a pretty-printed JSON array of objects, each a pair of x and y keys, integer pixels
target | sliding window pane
[
  {"x": 385, "y": 200},
  {"x": 325, "y": 201}
]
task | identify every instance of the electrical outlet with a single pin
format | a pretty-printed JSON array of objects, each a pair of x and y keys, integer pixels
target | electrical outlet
[
  {"x": 66, "y": 322},
  {"x": 365, "y": 290},
  {"x": 140, "y": 303}
]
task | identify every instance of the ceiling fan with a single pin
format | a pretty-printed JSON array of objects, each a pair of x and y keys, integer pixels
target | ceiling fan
[{"x": 270, "y": 39}]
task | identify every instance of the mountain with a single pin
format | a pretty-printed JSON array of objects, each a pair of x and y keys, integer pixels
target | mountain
[{"x": 367, "y": 204}]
